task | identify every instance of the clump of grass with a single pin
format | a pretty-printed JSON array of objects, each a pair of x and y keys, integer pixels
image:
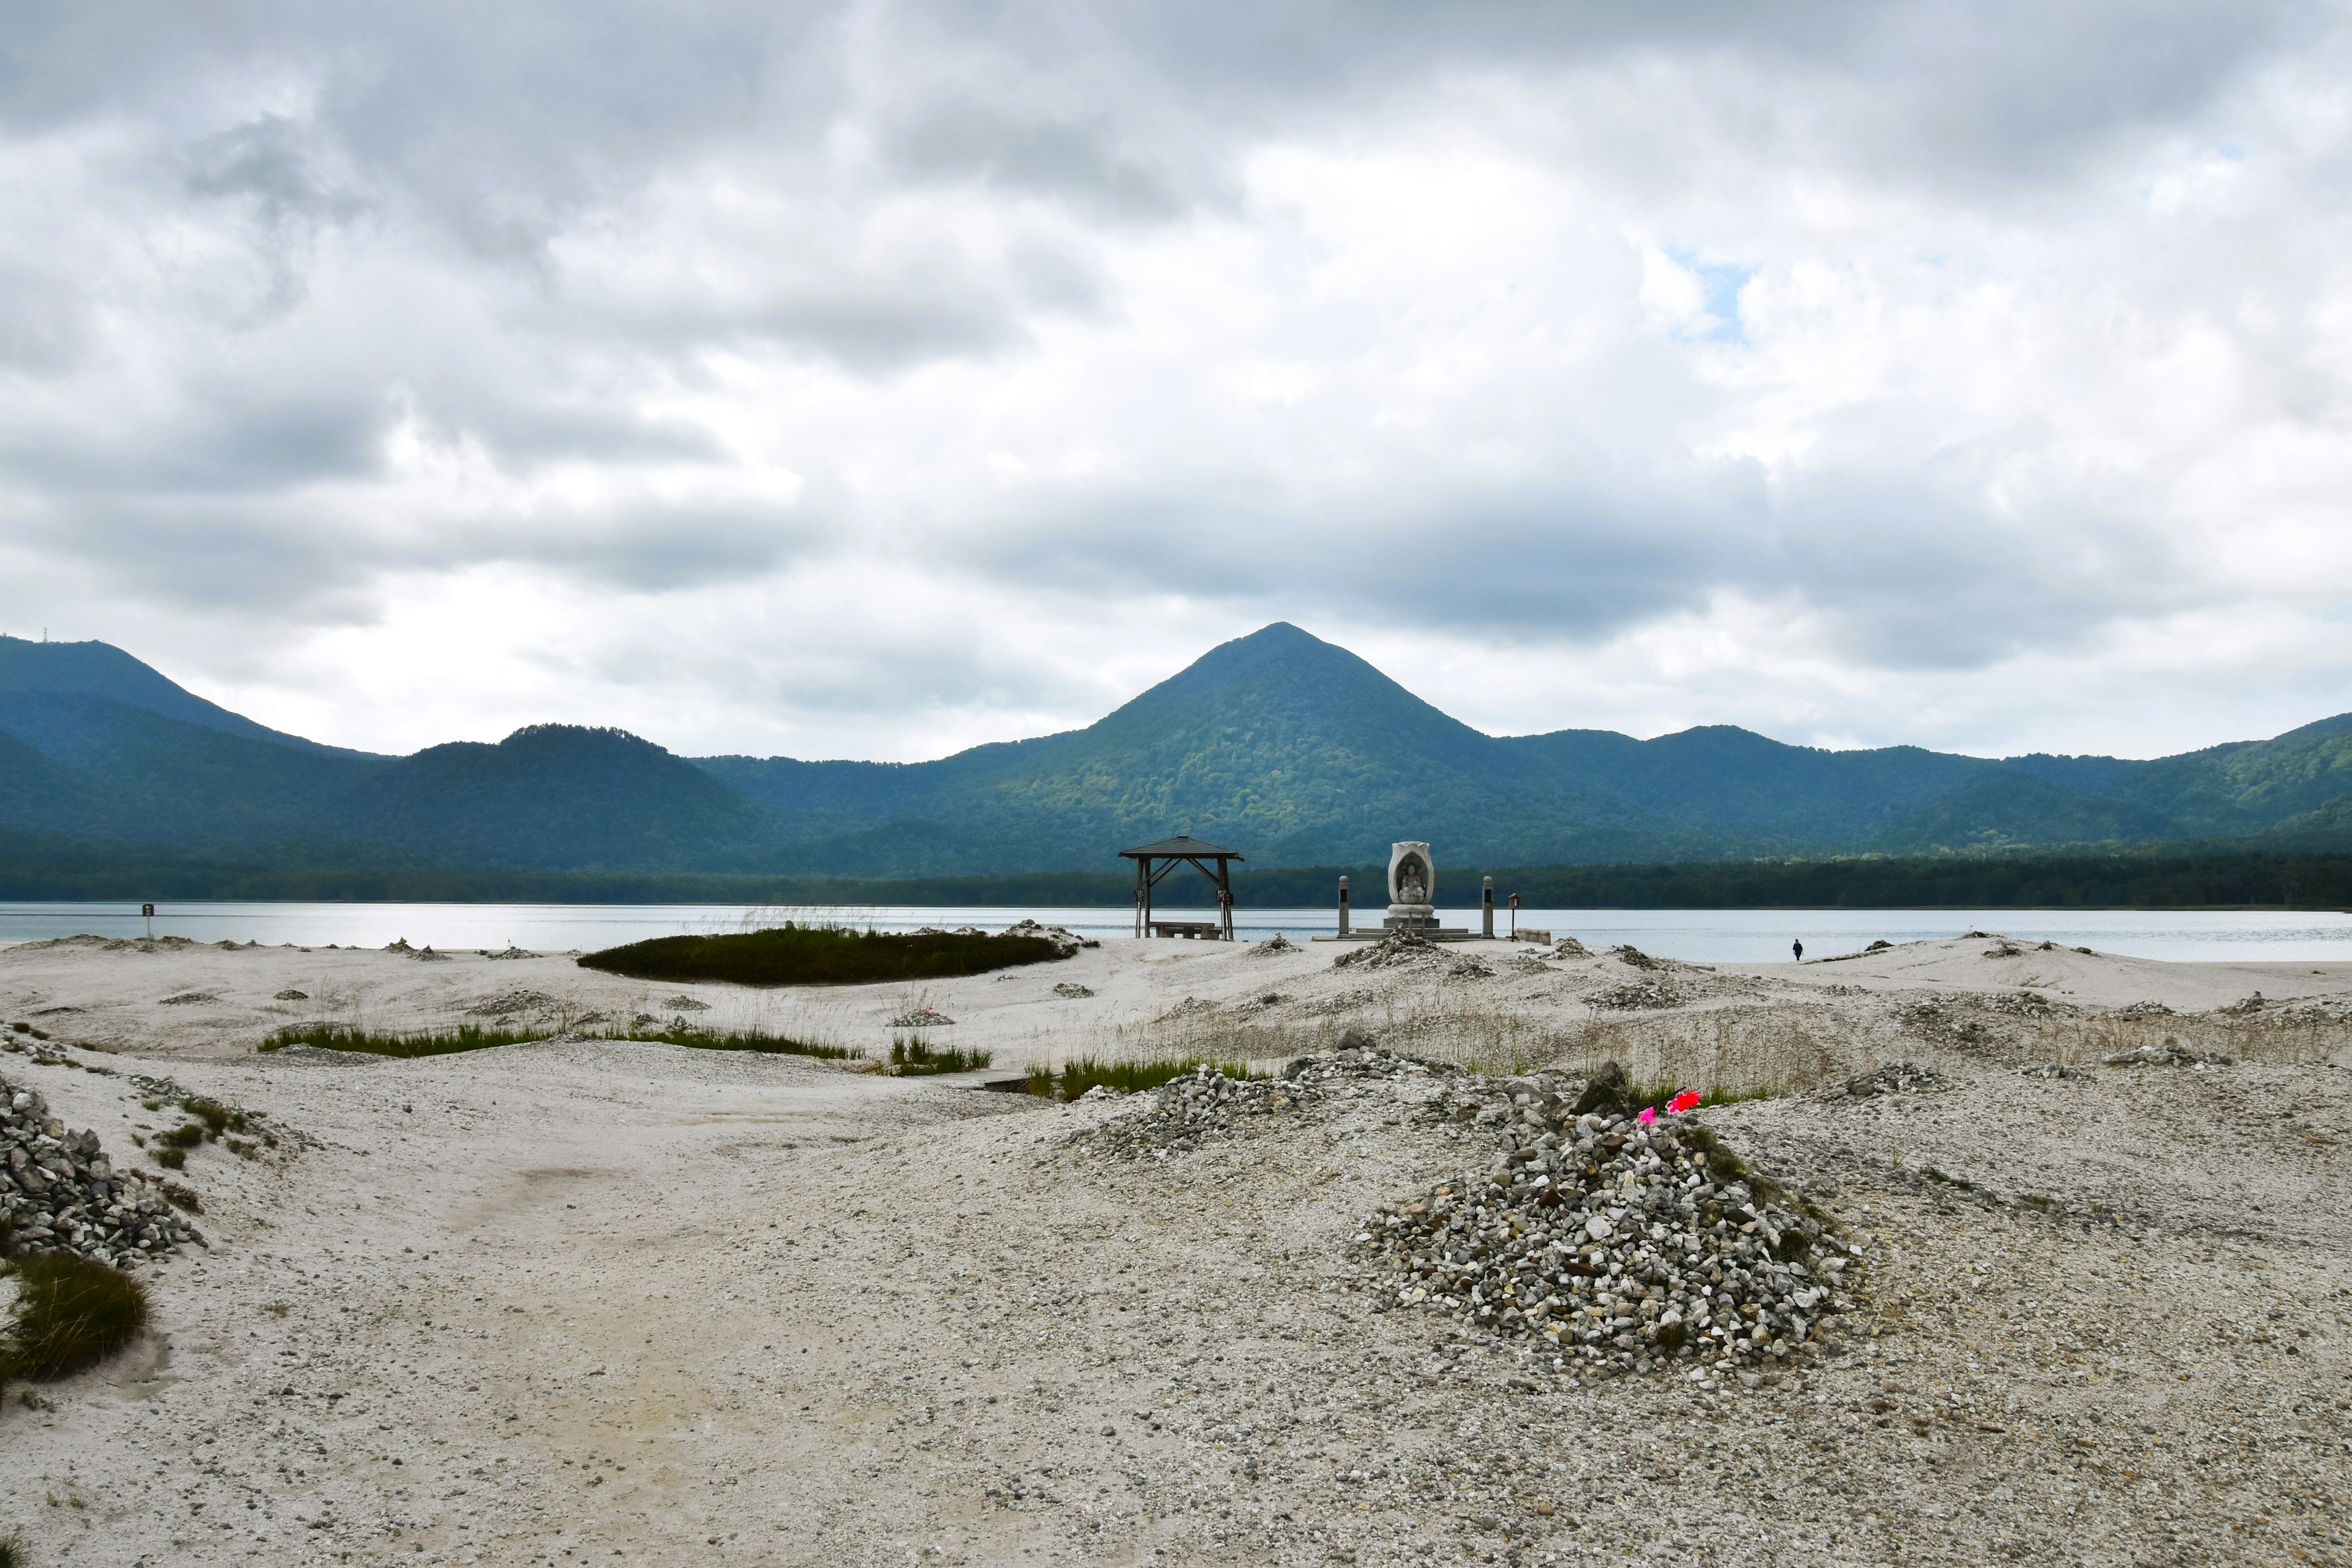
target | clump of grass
[
  {"x": 423, "y": 1043},
  {"x": 215, "y": 1117},
  {"x": 1082, "y": 1073},
  {"x": 793, "y": 954},
  {"x": 12, "y": 1552},
  {"x": 911, "y": 1055},
  {"x": 468, "y": 1037},
  {"x": 757, "y": 1040},
  {"x": 71, "y": 1314},
  {"x": 187, "y": 1135}
]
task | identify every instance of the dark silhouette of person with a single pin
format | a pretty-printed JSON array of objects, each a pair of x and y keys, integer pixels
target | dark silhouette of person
[{"x": 1798, "y": 947}]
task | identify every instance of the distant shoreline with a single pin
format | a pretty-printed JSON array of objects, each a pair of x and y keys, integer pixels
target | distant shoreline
[{"x": 2127, "y": 880}]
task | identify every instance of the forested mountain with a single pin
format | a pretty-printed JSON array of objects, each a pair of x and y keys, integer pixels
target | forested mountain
[{"x": 1287, "y": 747}]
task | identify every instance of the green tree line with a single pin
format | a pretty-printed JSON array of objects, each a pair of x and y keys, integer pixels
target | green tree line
[{"x": 34, "y": 870}]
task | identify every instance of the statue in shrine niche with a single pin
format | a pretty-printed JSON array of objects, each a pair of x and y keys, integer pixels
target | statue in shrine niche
[{"x": 1412, "y": 887}]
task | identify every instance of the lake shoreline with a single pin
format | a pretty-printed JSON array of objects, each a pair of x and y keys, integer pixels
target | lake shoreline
[{"x": 1741, "y": 935}]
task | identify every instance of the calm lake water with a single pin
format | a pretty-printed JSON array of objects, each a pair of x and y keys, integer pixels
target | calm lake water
[{"x": 1702, "y": 935}]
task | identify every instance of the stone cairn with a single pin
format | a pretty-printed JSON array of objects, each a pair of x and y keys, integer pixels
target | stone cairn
[
  {"x": 1205, "y": 1104},
  {"x": 1617, "y": 1244},
  {"x": 1623, "y": 1246},
  {"x": 58, "y": 1192}
]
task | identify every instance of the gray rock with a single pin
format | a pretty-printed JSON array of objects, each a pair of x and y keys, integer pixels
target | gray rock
[{"x": 58, "y": 1192}]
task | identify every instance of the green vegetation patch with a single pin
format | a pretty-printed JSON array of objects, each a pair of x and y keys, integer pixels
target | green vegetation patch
[
  {"x": 749, "y": 1040},
  {"x": 424, "y": 1042},
  {"x": 1075, "y": 1077},
  {"x": 912, "y": 1057},
  {"x": 467, "y": 1037},
  {"x": 71, "y": 1314},
  {"x": 819, "y": 955}
]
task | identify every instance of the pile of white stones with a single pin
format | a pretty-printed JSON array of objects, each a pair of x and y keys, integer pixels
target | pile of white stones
[
  {"x": 1619, "y": 1246},
  {"x": 1206, "y": 1104},
  {"x": 59, "y": 1193}
]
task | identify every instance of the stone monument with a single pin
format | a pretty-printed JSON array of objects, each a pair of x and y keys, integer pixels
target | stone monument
[
  {"x": 1413, "y": 901},
  {"x": 1413, "y": 887}
]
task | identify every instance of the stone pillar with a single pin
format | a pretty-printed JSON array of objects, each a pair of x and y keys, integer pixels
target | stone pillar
[
  {"x": 1343, "y": 906},
  {"x": 1486, "y": 905}
]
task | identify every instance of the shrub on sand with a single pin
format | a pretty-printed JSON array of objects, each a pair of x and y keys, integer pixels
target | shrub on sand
[{"x": 71, "y": 1314}]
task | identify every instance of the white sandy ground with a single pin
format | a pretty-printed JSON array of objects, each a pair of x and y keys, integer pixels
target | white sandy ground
[{"x": 597, "y": 1302}]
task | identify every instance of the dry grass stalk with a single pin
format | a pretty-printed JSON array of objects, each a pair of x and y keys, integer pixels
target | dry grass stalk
[
  {"x": 2284, "y": 1035},
  {"x": 1726, "y": 1053}
]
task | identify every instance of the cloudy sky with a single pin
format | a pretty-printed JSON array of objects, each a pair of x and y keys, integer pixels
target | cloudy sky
[{"x": 874, "y": 379}]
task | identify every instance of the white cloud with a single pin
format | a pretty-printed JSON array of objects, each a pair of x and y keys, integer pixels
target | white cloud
[{"x": 875, "y": 379}]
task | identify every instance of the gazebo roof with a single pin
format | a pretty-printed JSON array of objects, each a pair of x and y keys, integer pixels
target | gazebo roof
[{"x": 1178, "y": 848}]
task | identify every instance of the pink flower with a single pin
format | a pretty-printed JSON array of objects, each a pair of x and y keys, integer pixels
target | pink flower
[
  {"x": 1649, "y": 1114},
  {"x": 1687, "y": 1101}
]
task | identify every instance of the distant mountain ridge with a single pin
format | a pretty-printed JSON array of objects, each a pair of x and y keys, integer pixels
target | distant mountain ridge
[
  {"x": 1287, "y": 747},
  {"x": 102, "y": 671}
]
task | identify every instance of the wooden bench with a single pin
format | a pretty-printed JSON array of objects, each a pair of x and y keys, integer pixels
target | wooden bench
[{"x": 1209, "y": 928}]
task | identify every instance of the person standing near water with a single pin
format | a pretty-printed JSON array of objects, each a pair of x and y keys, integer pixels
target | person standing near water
[{"x": 1798, "y": 947}]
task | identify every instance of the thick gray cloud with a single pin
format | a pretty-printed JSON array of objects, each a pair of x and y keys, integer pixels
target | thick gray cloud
[{"x": 875, "y": 378}]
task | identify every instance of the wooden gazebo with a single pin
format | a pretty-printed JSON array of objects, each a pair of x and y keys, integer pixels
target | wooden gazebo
[{"x": 1166, "y": 856}]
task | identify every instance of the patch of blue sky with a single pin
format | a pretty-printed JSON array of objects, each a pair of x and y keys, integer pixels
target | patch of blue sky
[{"x": 1719, "y": 287}]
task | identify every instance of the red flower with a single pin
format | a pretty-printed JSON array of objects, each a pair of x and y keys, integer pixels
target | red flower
[{"x": 1687, "y": 1101}]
